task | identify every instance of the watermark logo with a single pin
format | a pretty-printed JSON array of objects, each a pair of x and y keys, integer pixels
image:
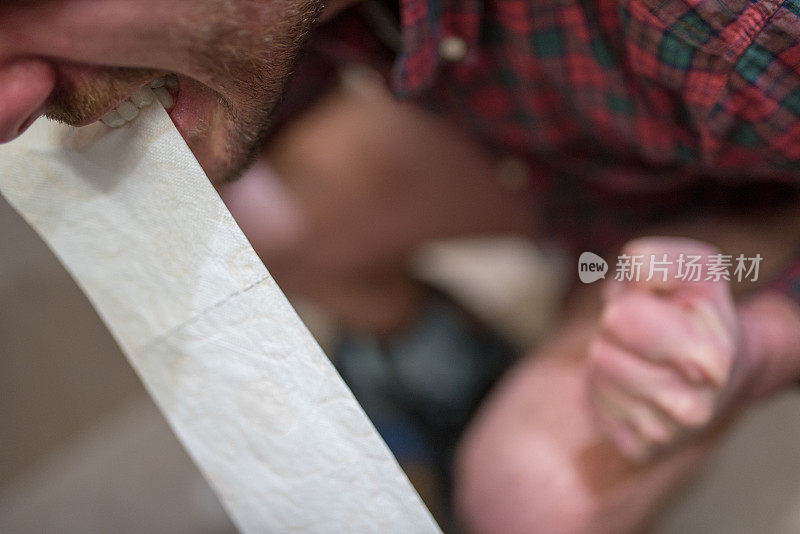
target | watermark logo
[
  {"x": 591, "y": 267},
  {"x": 685, "y": 267}
]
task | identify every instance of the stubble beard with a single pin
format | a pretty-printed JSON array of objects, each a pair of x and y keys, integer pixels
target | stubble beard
[{"x": 247, "y": 50}]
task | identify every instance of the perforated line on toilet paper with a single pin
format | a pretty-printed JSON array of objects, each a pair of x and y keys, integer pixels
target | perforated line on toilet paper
[{"x": 242, "y": 383}]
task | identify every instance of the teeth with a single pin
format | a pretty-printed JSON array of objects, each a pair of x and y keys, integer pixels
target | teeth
[
  {"x": 165, "y": 98},
  {"x": 113, "y": 119},
  {"x": 143, "y": 97},
  {"x": 128, "y": 110}
]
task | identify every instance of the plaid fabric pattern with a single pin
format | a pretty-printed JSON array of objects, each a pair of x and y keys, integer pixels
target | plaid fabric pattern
[{"x": 624, "y": 109}]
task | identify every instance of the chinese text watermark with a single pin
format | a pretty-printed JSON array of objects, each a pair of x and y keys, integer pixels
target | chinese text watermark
[{"x": 661, "y": 267}]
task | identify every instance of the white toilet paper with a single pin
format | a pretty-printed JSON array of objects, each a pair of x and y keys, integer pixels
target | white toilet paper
[{"x": 244, "y": 386}]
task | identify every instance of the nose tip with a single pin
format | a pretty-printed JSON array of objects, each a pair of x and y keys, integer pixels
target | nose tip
[{"x": 25, "y": 86}]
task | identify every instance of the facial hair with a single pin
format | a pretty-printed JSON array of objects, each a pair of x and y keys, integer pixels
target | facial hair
[{"x": 244, "y": 50}]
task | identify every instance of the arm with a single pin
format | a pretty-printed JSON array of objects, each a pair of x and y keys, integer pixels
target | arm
[
  {"x": 771, "y": 323},
  {"x": 674, "y": 355},
  {"x": 534, "y": 460},
  {"x": 773, "y": 319},
  {"x": 537, "y": 460}
]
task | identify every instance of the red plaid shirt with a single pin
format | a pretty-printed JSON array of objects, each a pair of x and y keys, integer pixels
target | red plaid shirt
[
  {"x": 627, "y": 111},
  {"x": 620, "y": 105}
]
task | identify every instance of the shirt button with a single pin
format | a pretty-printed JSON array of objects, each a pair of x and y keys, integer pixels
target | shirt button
[{"x": 452, "y": 48}]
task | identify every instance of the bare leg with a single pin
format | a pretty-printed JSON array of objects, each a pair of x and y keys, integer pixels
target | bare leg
[{"x": 362, "y": 182}]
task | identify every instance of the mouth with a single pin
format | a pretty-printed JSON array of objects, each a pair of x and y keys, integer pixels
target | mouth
[
  {"x": 196, "y": 112},
  {"x": 165, "y": 89}
]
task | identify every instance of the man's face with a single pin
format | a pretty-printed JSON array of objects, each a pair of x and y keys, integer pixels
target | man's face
[{"x": 77, "y": 60}]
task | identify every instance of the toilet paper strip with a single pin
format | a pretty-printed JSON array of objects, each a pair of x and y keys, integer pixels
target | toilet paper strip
[{"x": 240, "y": 380}]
